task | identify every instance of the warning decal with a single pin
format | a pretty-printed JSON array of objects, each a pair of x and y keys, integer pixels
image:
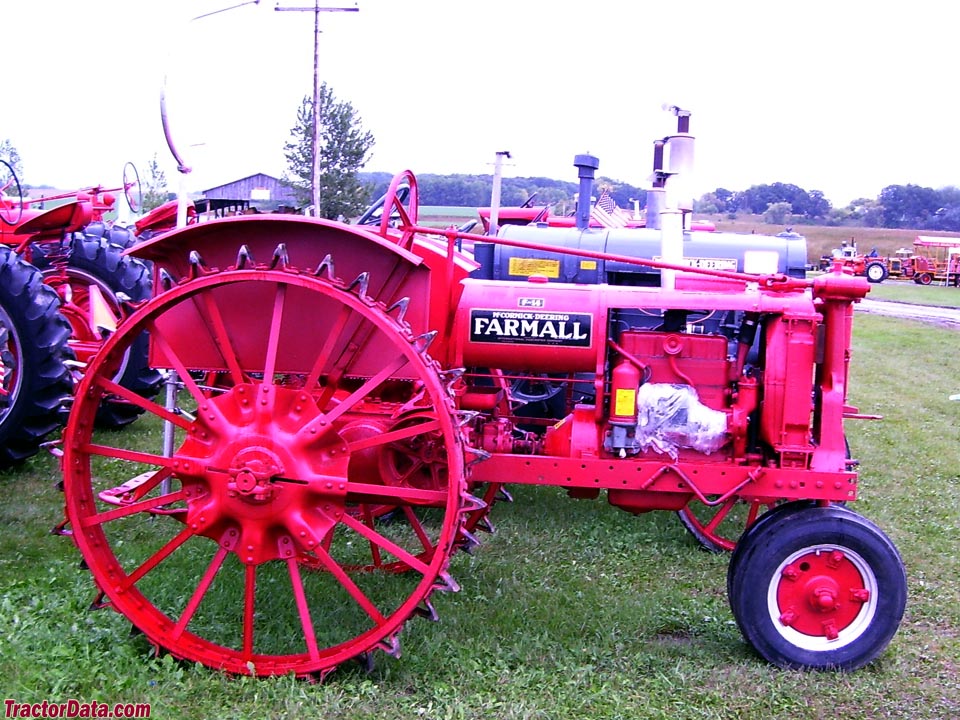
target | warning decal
[{"x": 525, "y": 267}]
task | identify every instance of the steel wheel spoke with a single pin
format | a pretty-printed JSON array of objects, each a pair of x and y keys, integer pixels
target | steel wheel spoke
[
  {"x": 200, "y": 591},
  {"x": 146, "y": 404},
  {"x": 412, "y": 495},
  {"x": 303, "y": 610},
  {"x": 159, "y": 556},
  {"x": 417, "y": 527},
  {"x": 374, "y": 548},
  {"x": 349, "y": 585},
  {"x": 754, "y": 511},
  {"x": 131, "y": 455},
  {"x": 273, "y": 339},
  {"x": 249, "y": 602},
  {"x": 355, "y": 397},
  {"x": 387, "y": 544},
  {"x": 720, "y": 514},
  {"x": 394, "y": 436},
  {"x": 183, "y": 372},
  {"x": 414, "y": 468},
  {"x": 332, "y": 337},
  {"x": 221, "y": 339},
  {"x": 133, "y": 509}
]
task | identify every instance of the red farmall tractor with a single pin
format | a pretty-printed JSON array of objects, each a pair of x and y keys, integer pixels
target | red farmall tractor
[
  {"x": 81, "y": 259},
  {"x": 353, "y": 399}
]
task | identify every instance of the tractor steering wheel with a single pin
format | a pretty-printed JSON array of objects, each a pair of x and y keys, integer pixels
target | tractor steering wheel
[
  {"x": 11, "y": 210},
  {"x": 400, "y": 205},
  {"x": 132, "y": 191}
]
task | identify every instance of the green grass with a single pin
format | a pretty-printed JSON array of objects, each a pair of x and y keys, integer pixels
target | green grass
[
  {"x": 572, "y": 610},
  {"x": 909, "y": 292}
]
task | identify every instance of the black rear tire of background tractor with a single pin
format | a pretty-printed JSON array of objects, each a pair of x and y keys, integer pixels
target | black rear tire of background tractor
[
  {"x": 36, "y": 381},
  {"x": 876, "y": 272},
  {"x": 91, "y": 259}
]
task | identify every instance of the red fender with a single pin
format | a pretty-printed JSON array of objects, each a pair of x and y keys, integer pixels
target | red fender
[{"x": 375, "y": 267}]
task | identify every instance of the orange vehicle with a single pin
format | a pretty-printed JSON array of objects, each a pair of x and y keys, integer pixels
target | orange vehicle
[
  {"x": 935, "y": 259},
  {"x": 932, "y": 259},
  {"x": 875, "y": 268}
]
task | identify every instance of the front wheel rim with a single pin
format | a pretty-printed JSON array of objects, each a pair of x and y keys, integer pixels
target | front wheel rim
[{"x": 822, "y": 597}]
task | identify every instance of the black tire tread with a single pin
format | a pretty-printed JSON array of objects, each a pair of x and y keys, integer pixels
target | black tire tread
[
  {"x": 762, "y": 548},
  {"x": 40, "y": 405},
  {"x": 123, "y": 274}
]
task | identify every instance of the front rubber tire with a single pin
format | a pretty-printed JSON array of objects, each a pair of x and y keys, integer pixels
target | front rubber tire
[{"x": 819, "y": 588}]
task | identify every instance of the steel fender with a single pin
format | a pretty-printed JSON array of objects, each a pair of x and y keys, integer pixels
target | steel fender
[{"x": 386, "y": 271}]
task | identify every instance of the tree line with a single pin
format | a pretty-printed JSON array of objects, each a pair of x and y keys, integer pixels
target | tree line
[
  {"x": 474, "y": 190},
  {"x": 897, "y": 206}
]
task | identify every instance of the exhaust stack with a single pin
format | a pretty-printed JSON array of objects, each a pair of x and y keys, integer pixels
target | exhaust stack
[{"x": 587, "y": 168}]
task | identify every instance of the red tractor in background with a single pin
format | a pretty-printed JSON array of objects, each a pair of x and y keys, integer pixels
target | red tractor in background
[
  {"x": 873, "y": 267},
  {"x": 932, "y": 259},
  {"x": 349, "y": 413},
  {"x": 73, "y": 250}
]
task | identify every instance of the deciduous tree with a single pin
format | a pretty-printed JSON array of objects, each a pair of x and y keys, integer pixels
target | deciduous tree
[
  {"x": 9, "y": 153},
  {"x": 344, "y": 145},
  {"x": 155, "y": 193}
]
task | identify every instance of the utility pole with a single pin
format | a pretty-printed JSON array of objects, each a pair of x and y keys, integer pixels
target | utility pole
[{"x": 316, "y": 10}]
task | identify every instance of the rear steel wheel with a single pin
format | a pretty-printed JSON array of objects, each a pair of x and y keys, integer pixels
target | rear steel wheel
[
  {"x": 718, "y": 527},
  {"x": 203, "y": 551}
]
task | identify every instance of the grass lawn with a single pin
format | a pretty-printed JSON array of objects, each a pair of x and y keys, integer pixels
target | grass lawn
[
  {"x": 910, "y": 292},
  {"x": 572, "y": 610}
]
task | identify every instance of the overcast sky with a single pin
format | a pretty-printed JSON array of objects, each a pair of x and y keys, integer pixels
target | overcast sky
[{"x": 845, "y": 96}]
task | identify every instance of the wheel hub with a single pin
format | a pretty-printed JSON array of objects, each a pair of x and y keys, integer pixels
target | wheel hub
[
  {"x": 253, "y": 471},
  {"x": 254, "y": 483},
  {"x": 820, "y": 594}
]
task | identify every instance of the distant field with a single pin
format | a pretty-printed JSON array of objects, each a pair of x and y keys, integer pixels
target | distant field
[{"x": 820, "y": 239}]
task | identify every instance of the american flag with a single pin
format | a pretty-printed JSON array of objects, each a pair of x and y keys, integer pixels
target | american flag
[
  {"x": 606, "y": 202},
  {"x": 605, "y": 212}
]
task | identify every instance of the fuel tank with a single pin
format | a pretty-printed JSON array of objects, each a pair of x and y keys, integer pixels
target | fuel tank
[
  {"x": 529, "y": 326},
  {"x": 784, "y": 253}
]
